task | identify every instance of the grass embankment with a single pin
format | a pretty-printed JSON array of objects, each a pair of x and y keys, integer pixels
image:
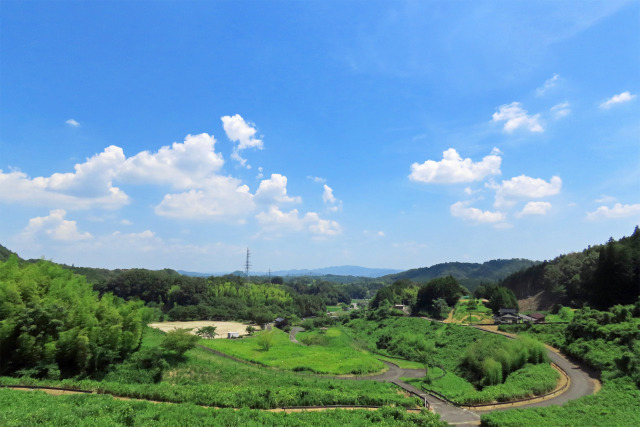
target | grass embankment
[
  {"x": 332, "y": 353},
  {"x": 473, "y": 375},
  {"x": 209, "y": 380},
  {"x": 21, "y": 408}
]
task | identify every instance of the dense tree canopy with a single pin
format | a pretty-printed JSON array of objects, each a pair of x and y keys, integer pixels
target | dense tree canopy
[
  {"x": 446, "y": 288},
  {"x": 53, "y": 324}
]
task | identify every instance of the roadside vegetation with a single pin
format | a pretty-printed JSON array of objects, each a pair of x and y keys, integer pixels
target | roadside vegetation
[
  {"x": 480, "y": 368},
  {"x": 607, "y": 341},
  {"x": 203, "y": 378},
  {"x": 22, "y": 408}
]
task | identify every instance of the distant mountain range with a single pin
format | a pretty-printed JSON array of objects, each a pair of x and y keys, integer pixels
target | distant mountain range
[{"x": 344, "y": 270}]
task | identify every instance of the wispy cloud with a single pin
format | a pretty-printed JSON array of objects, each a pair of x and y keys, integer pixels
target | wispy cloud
[
  {"x": 550, "y": 83},
  {"x": 516, "y": 117},
  {"x": 462, "y": 210},
  {"x": 561, "y": 110},
  {"x": 534, "y": 208},
  {"x": 72, "y": 123},
  {"x": 617, "y": 99},
  {"x": 617, "y": 211}
]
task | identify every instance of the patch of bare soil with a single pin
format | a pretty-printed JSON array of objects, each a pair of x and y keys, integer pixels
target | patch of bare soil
[
  {"x": 222, "y": 328},
  {"x": 533, "y": 303}
]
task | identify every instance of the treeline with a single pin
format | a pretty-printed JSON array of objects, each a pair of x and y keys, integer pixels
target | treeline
[
  {"x": 178, "y": 297},
  {"x": 437, "y": 297},
  {"x": 53, "y": 324},
  {"x": 599, "y": 276},
  {"x": 470, "y": 275}
]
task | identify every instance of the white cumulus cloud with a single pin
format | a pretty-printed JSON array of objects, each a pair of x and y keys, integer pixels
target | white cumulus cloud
[
  {"x": 275, "y": 220},
  {"x": 462, "y": 210},
  {"x": 524, "y": 187},
  {"x": 329, "y": 199},
  {"x": 72, "y": 123},
  {"x": 238, "y": 130},
  {"x": 91, "y": 185},
  {"x": 454, "y": 169},
  {"x": 534, "y": 208},
  {"x": 182, "y": 165},
  {"x": 617, "y": 211},
  {"x": 617, "y": 99},
  {"x": 55, "y": 227},
  {"x": 274, "y": 190},
  {"x": 516, "y": 117},
  {"x": 221, "y": 199}
]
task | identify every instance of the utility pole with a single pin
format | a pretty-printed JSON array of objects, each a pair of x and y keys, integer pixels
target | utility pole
[
  {"x": 247, "y": 264},
  {"x": 269, "y": 275}
]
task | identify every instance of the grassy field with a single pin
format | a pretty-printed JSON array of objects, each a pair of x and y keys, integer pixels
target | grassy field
[
  {"x": 209, "y": 380},
  {"x": 329, "y": 353},
  {"x": 20, "y": 408}
]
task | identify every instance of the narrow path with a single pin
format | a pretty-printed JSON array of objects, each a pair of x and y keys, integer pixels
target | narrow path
[{"x": 294, "y": 331}]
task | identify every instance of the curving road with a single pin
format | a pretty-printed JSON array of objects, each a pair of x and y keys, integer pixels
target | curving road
[{"x": 580, "y": 384}]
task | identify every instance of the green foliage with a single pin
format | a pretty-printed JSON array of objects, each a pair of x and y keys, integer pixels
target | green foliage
[
  {"x": 203, "y": 378},
  {"x": 52, "y": 323},
  {"x": 331, "y": 353},
  {"x": 208, "y": 332},
  {"x": 600, "y": 276},
  {"x": 179, "y": 341},
  {"x": 446, "y": 288},
  {"x": 490, "y": 360},
  {"x": 400, "y": 292},
  {"x": 498, "y": 296},
  {"x": 265, "y": 340},
  {"x": 37, "y": 408},
  {"x": 471, "y": 275},
  {"x": 615, "y": 405}
]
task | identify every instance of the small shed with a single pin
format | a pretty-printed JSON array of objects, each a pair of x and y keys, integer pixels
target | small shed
[
  {"x": 231, "y": 335},
  {"x": 538, "y": 317},
  {"x": 526, "y": 319}
]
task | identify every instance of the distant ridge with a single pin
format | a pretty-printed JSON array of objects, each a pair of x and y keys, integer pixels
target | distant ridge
[
  {"x": 469, "y": 274},
  {"x": 344, "y": 270}
]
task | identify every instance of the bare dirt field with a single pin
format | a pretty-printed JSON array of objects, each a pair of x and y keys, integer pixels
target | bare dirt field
[{"x": 222, "y": 328}]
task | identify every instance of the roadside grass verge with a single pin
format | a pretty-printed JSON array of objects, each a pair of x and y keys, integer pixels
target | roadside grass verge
[
  {"x": 615, "y": 405},
  {"x": 20, "y": 408},
  {"x": 331, "y": 353}
]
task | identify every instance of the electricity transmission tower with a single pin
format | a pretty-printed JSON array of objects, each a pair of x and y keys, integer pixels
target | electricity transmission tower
[{"x": 247, "y": 264}]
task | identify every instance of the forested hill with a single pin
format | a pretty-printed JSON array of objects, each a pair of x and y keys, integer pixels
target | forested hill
[
  {"x": 471, "y": 275},
  {"x": 4, "y": 253},
  {"x": 600, "y": 276}
]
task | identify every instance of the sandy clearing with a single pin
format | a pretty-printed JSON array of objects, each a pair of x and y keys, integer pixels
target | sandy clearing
[{"x": 222, "y": 328}]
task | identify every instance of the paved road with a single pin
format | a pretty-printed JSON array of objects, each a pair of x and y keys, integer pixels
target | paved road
[{"x": 580, "y": 385}]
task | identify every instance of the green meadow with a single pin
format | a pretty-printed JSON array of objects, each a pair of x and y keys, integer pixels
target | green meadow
[{"x": 330, "y": 353}]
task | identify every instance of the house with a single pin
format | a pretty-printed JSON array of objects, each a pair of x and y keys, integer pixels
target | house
[
  {"x": 503, "y": 311},
  {"x": 507, "y": 318},
  {"x": 538, "y": 317},
  {"x": 231, "y": 335}
]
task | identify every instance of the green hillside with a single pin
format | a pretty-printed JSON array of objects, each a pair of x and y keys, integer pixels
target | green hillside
[
  {"x": 471, "y": 275},
  {"x": 600, "y": 276}
]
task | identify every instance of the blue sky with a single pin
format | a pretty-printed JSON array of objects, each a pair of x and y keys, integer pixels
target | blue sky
[{"x": 380, "y": 134}]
